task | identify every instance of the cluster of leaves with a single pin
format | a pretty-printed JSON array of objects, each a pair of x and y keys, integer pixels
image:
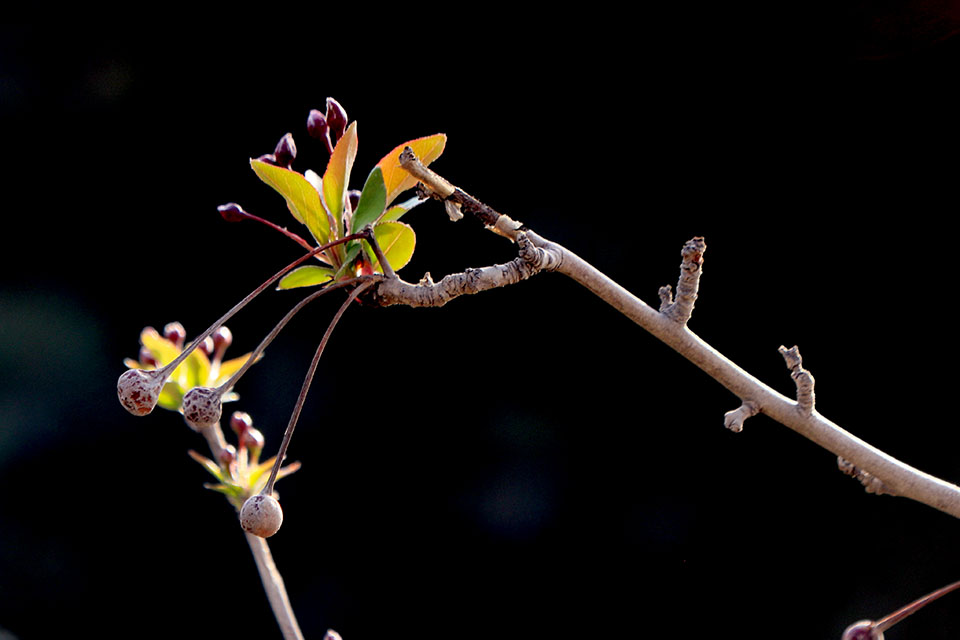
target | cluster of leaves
[{"x": 331, "y": 211}]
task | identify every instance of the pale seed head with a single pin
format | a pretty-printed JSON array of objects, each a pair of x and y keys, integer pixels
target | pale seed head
[
  {"x": 202, "y": 407},
  {"x": 139, "y": 390},
  {"x": 261, "y": 515}
]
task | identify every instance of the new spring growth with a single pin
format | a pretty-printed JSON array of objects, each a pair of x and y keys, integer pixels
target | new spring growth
[{"x": 139, "y": 389}]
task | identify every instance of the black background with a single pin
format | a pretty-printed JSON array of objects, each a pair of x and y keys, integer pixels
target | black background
[{"x": 521, "y": 464}]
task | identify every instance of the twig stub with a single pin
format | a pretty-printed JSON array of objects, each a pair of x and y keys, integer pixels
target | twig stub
[
  {"x": 801, "y": 377},
  {"x": 681, "y": 309}
]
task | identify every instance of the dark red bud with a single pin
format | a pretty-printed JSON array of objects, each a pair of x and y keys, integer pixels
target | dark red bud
[
  {"x": 336, "y": 119},
  {"x": 353, "y": 196},
  {"x": 222, "y": 338},
  {"x": 317, "y": 125},
  {"x": 252, "y": 439},
  {"x": 227, "y": 455},
  {"x": 232, "y": 212},
  {"x": 268, "y": 158},
  {"x": 175, "y": 333},
  {"x": 286, "y": 151},
  {"x": 207, "y": 346},
  {"x": 146, "y": 358},
  {"x": 240, "y": 421}
]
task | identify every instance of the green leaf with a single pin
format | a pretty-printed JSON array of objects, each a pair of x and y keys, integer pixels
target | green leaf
[
  {"x": 396, "y": 211},
  {"x": 351, "y": 253},
  {"x": 307, "y": 276},
  {"x": 337, "y": 176},
  {"x": 302, "y": 198},
  {"x": 373, "y": 199},
  {"x": 397, "y": 241}
]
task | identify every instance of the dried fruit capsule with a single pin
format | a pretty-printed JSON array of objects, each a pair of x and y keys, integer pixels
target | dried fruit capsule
[
  {"x": 286, "y": 151},
  {"x": 202, "y": 407},
  {"x": 139, "y": 390},
  {"x": 261, "y": 515}
]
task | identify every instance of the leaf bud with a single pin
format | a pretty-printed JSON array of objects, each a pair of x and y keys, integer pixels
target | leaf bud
[
  {"x": 175, "y": 333},
  {"x": 232, "y": 212},
  {"x": 202, "y": 407},
  {"x": 336, "y": 119},
  {"x": 261, "y": 515},
  {"x": 317, "y": 125},
  {"x": 139, "y": 390},
  {"x": 240, "y": 421},
  {"x": 286, "y": 151}
]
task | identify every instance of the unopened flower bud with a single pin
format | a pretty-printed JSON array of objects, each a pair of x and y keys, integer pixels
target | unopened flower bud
[
  {"x": 353, "y": 197},
  {"x": 286, "y": 151},
  {"x": 336, "y": 119},
  {"x": 232, "y": 212},
  {"x": 222, "y": 338},
  {"x": 207, "y": 346},
  {"x": 331, "y": 635},
  {"x": 261, "y": 515},
  {"x": 202, "y": 407},
  {"x": 227, "y": 455},
  {"x": 139, "y": 390},
  {"x": 146, "y": 358},
  {"x": 240, "y": 421},
  {"x": 175, "y": 333},
  {"x": 268, "y": 158},
  {"x": 317, "y": 125},
  {"x": 252, "y": 439}
]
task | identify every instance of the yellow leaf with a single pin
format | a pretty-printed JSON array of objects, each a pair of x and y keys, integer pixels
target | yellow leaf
[{"x": 337, "y": 176}]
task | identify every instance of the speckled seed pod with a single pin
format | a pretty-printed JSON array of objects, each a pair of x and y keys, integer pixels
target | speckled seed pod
[
  {"x": 261, "y": 515},
  {"x": 139, "y": 390},
  {"x": 202, "y": 407}
]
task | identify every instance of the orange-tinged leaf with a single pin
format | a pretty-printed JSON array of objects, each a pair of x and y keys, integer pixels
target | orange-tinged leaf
[
  {"x": 337, "y": 176},
  {"x": 395, "y": 177}
]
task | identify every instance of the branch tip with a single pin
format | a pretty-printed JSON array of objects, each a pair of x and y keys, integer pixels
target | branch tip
[{"x": 801, "y": 377}]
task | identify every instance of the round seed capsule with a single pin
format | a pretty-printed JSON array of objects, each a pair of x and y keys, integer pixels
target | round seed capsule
[
  {"x": 139, "y": 390},
  {"x": 261, "y": 515},
  {"x": 202, "y": 407}
]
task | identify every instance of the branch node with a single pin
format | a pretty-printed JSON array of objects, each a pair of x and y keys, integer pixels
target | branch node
[
  {"x": 734, "y": 420},
  {"x": 666, "y": 297},
  {"x": 681, "y": 309},
  {"x": 801, "y": 377},
  {"x": 539, "y": 258},
  {"x": 426, "y": 280},
  {"x": 870, "y": 482}
]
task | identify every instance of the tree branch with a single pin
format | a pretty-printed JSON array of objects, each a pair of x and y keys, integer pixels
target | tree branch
[
  {"x": 273, "y": 585},
  {"x": 669, "y": 326}
]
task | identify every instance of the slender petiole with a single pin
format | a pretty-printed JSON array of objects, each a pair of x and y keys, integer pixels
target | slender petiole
[
  {"x": 282, "y": 453},
  {"x": 168, "y": 369}
]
